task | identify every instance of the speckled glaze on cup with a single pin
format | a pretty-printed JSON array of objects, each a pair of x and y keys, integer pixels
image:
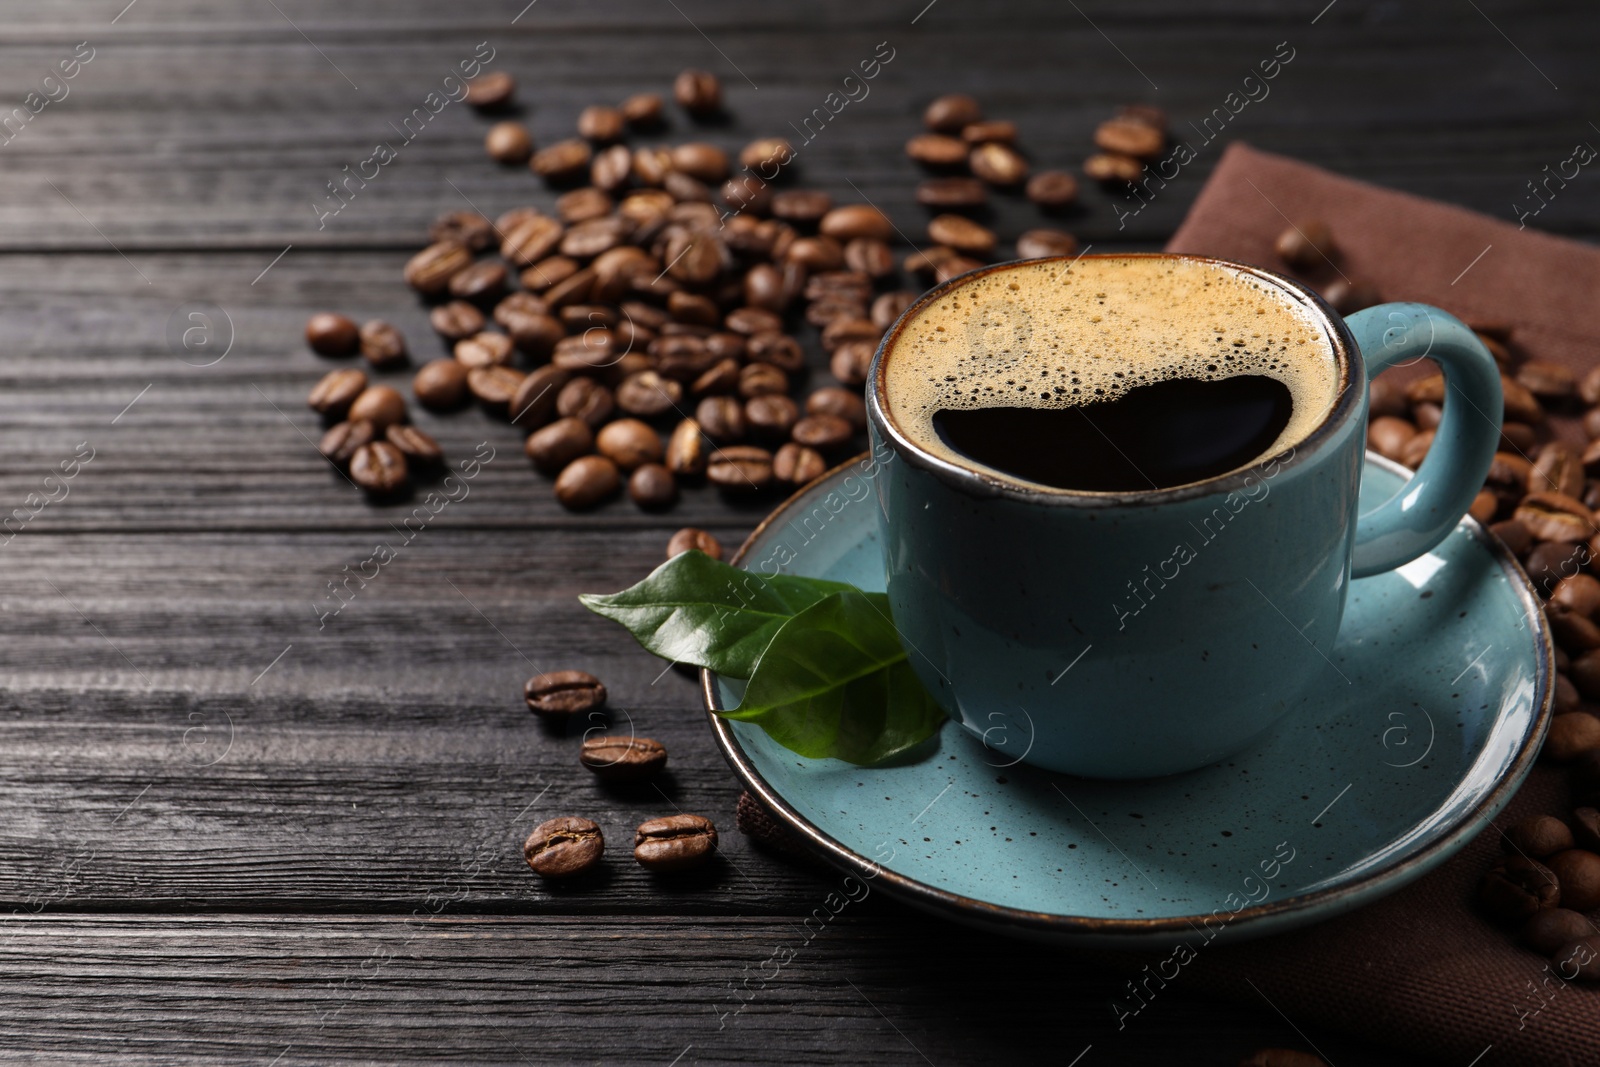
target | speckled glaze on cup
[{"x": 1071, "y": 629}]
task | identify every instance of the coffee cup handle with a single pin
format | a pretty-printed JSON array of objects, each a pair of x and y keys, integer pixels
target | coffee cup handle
[{"x": 1428, "y": 506}]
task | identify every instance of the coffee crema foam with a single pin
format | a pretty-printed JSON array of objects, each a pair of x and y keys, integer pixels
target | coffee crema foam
[{"x": 1062, "y": 334}]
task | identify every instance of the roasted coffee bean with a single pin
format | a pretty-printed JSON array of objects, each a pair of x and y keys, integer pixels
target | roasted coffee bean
[
  {"x": 564, "y": 846},
  {"x": 1384, "y": 397},
  {"x": 586, "y": 399},
  {"x": 752, "y": 320},
  {"x": 622, "y": 759},
  {"x": 1585, "y": 674},
  {"x": 761, "y": 379},
  {"x": 851, "y": 221},
  {"x": 1514, "y": 534},
  {"x": 629, "y": 443},
  {"x": 701, "y": 161},
  {"x": 563, "y": 162},
  {"x": 380, "y": 405},
  {"x": 766, "y": 154},
  {"x": 463, "y": 227},
  {"x": 485, "y": 349},
  {"x": 746, "y": 194},
  {"x": 420, "y": 449},
  {"x": 1002, "y": 130},
  {"x": 722, "y": 377},
  {"x": 1579, "y": 593},
  {"x": 652, "y": 486},
  {"x": 588, "y": 239},
  {"x": 778, "y": 349},
  {"x": 770, "y": 417},
  {"x": 954, "y": 267},
  {"x": 587, "y": 316},
  {"x": 1564, "y": 693},
  {"x": 1546, "y": 931},
  {"x": 825, "y": 433},
  {"x": 840, "y": 403},
  {"x": 494, "y": 386},
  {"x": 1578, "y": 961},
  {"x": 1110, "y": 169},
  {"x": 1347, "y": 296},
  {"x": 962, "y": 234},
  {"x": 456, "y": 320},
  {"x": 1537, "y": 837},
  {"x": 532, "y": 239},
  {"x": 329, "y": 334},
  {"x": 998, "y": 164},
  {"x": 951, "y": 113},
  {"x": 342, "y": 440},
  {"x": 430, "y": 270},
  {"x": 1551, "y": 561},
  {"x": 955, "y": 193},
  {"x": 642, "y": 110},
  {"x": 740, "y": 468},
  {"x": 554, "y": 446},
  {"x": 692, "y": 538},
  {"x": 648, "y": 395},
  {"x": 805, "y": 206},
  {"x": 1148, "y": 114},
  {"x": 686, "y": 450},
  {"x": 549, "y": 271},
  {"x": 1484, "y": 506},
  {"x": 378, "y": 468},
  {"x": 1547, "y": 381},
  {"x": 1501, "y": 354},
  {"x": 492, "y": 90},
  {"x": 869, "y": 256},
  {"x": 850, "y": 361},
  {"x": 937, "y": 150},
  {"x": 797, "y": 464},
  {"x": 1052, "y": 189},
  {"x": 698, "y": 92},
  {"x": 1589, "y": 387},
  {"x": 508, "y": 142},
  {"x": 852, "y": 286},
  {"x": 1572, "y": 632},
  {"x": 693, "y": 309},
  {"x": 611, "y": 168},
  {"x": 1127, "y": 137},
  {"x": 674, "y": 843},
  {"x": 1558, "y": 470},
  {"x": 590, "y": 352},
  {"x": 694, "y": 258},
  {"x": 382, "y": 345},
  {"x": 587, "y": 482},
  {"x": 1307, "y": 245},
  {"x": 601, "y": 124},
  {"x": 332, "y": 396},
  {"x": 1578, "y": 871},
  {"x": 890, "y": 306},
  {"x": 721, "y": 418},
  {"x": 584, "y": 205},
  {"x": 483, "y": 282},
  {"x": 1039, "y": 244},
  {"x": 1570, "y": 736},
  {"x": 1516, "y": 888},
  {"x": 535, "y": 401},
  {"x": 1428, "y": 416},
  {"x": 1555, "y": 517},
  {"x": 1520, "y": 405},
  {"x": 827, "y": 311}
]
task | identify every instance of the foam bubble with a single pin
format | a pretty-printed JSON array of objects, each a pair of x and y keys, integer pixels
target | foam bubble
[{"x": 1045, "y": 334}]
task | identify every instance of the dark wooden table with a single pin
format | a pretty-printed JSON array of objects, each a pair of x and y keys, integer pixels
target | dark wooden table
[{"x": 229, "y": 834}]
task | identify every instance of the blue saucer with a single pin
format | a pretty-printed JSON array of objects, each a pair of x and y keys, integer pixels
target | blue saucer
[{"x": 1430, "y": 713}]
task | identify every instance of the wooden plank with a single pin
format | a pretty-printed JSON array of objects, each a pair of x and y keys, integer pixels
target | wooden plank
[
  {"x": 1468, "y": 119},
  {"x": 292, "y": 990}
]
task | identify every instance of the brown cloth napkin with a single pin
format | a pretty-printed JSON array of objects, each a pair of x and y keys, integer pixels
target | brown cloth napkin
[{"x": 1418, "y": 970}]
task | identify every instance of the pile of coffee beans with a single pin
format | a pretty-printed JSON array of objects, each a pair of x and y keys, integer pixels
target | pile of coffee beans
[
  {"x": 967, "y": 155},
  {"x": 1540, "y": 499},
  {"x": 570, "y": 845}
]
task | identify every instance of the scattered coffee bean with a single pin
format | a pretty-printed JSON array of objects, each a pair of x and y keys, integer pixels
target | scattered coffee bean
[
  {"x": 1570, "y": 736},
  {"x": 937, "y": 150},
  {"x": 686, "y": 450},
  {"x": 587, "y": 482},
  {"x": 857, "y": 220},
  {"x": 1578, "y": 871},
  {"x": 420, "y": 449},
  {"x": 1129, "y": 137},
  {"x": 1548, "y": 930},
  {"x": 642, "y": 111},
  {"x": 952, "y": 113},
  {"x": 1003, "y": 131},
  {"x": 629, "y": 443},
  {"x": 508, "y": 142},
  {"x": 382, "y": 345},
  {"x": 564, "y": 693},
  {"x": 959, "y": 193},
  {"x": 492, "y": 90},
  {"x": 440, "y": 384},
  {"x": 586, "y": 399},
  {"x": 1052, "y": 189},
  {"x": 430, "y": 270},
  {"x": 1537, "y": 837},
  {"x": 380, "y": 405},
  {"x": 998, "y": 164},
  {"x": 740, "y": 469},
  {"x": 825, "y": 433},
  {"x": 1307, "y": 245},
  {"x": 652, "y": 486},
  {"x": 962, "y": 234},
  {"x": 797, "y": 464},
  {"x": 674, "y": 843},
  {"x": 601, "y": 124},
  {"x": 342, "y": 440},
  {"x": 485, "y": 349},
  {"x": 622, "y": 759},
  {"x": 1347, "y": 296},
  {"x": 691, "y": 537},
  {"x": 329, "y": 334},
  {"x": 379, "y": 468},
  {"x": 564, "y": 846},
  {"x": 1109, "y": 168},
  {"x": 465, "y": 228},
  {"x": 456, "y": 320},
  {"x": 554, "y": 446},
  {"x": 698, "y": 92},
  {"x": 332, "y": 396},
  {"x": 1580, "y": 960},
  {"x": 494, "y": 386},
  {"x": 1040, "y": 244},
  {"x": 562, "y": 162},
  {"x": 1517, "y": 887}
]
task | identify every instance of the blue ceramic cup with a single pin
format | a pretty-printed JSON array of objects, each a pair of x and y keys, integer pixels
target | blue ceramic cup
[{"x": 1139, "y": 633}]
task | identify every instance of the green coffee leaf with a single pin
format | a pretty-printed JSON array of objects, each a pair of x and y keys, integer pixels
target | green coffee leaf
[
  {"x": 835, "y": 682},
  {"x": 694, "y": 609}
]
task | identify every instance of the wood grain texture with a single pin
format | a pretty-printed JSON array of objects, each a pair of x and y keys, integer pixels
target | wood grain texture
[
  {"x": 483, "y": 990},
  {"x": 229, "y": 817}
]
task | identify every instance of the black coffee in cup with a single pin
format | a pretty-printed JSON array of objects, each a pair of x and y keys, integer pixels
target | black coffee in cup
[{"x": 1111, "y": 374}]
